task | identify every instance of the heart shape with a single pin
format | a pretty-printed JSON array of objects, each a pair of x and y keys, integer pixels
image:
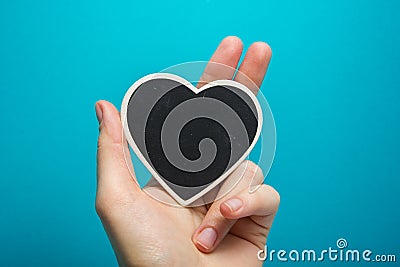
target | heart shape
[{"x": 190, "y": 139}]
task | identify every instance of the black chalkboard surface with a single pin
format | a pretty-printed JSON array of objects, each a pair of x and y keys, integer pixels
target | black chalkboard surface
[{"x": 190, "y": 139}]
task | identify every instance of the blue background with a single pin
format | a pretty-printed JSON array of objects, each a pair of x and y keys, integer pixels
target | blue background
[{"x": 333, "y": 86}]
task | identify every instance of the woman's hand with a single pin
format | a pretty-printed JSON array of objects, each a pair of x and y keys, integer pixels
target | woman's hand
[{"x": 146, "y": 232}]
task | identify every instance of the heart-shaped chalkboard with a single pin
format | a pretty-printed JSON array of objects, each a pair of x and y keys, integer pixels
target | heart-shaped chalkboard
[{"x": 190, "y": 139}]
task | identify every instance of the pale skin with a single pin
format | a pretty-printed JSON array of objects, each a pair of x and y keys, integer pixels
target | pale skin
[{"x": 146, "y": 232}]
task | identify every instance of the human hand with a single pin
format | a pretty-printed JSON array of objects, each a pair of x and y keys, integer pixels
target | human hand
[{"x": 146, "y": 232}]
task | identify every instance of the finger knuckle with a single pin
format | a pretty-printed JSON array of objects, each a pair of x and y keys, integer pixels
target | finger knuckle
[
  {"x": 101, "y": 207},
  {"x": 253, "y": 170},
  {"x": 107, "y": 205},
  {"x": 273, "y": 197},
  {"x": 249, "y": 172}
]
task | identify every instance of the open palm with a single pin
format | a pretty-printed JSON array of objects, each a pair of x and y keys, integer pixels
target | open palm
[{"x": 147, "y": 232}]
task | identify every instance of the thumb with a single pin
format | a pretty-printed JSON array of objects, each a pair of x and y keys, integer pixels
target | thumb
[{"x": 113, "y": 175}]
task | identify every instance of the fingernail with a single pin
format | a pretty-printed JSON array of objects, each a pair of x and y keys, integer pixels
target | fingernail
[
  {"x": 234, "y": 204},
  {"x": 207, "y": 238},
  {"x": 99, "y": 112}
]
